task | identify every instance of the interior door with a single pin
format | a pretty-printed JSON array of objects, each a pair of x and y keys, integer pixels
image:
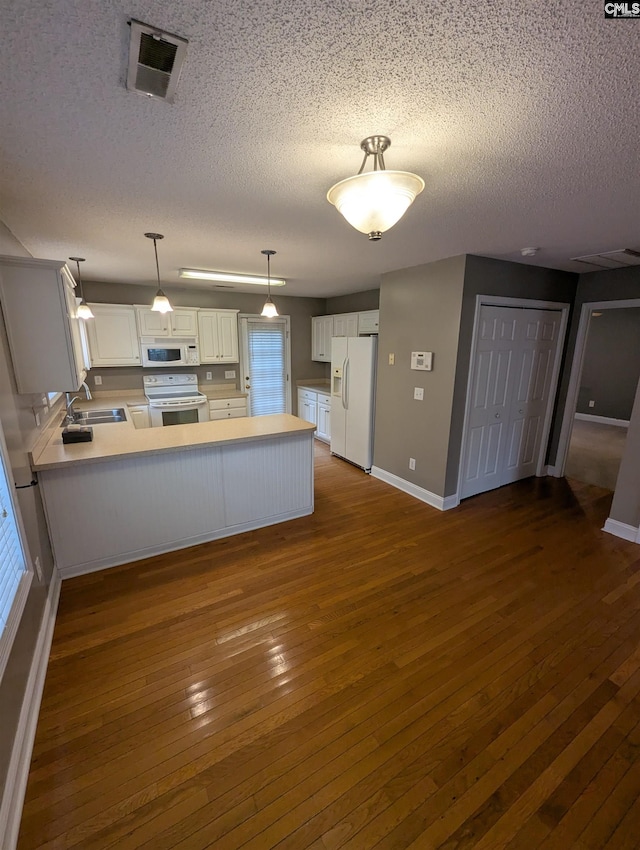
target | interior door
[
  {"x": 511, "y": 376},
  {"x": 265, "y": 366}
]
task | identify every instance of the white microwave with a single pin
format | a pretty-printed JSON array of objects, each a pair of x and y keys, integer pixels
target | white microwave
[{"x": 162, "y": 351}]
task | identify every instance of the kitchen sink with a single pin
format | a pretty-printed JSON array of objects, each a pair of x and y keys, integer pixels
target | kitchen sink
[{"x": 99, "y": 417}]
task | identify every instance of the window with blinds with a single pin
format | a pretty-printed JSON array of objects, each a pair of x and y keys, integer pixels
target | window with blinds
[
  {"x": 267, "y": 351},
  {"x": 15, "y": 577}
]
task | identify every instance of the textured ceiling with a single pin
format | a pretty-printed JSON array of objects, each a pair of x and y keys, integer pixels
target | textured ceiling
[{"x": 522, "y": 119}]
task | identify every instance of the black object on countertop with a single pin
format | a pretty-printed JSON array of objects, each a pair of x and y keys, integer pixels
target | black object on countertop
[{"x": 84, "y": 434}]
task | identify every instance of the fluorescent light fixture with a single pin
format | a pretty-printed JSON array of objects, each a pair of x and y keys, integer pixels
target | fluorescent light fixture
[{"x": 228, "y": 277}]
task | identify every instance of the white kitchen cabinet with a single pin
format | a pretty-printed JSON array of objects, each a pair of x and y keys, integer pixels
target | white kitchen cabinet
[
  {"x": 139, "y": 414},
  {"x": 181, "y": 322},
  {"x": 227, "y": 408},
  {"x": 218, "y": 336},
  {"x": 323, "y": 431},
  {"x": 308, "y": 406},
  {"x": 368, "y": 322},
  {"x": 44, "y": 331},
  {"x": 113, "y": 335},
  {"x": 321, "y": 333},
  {"x": 345, "y": 324}
]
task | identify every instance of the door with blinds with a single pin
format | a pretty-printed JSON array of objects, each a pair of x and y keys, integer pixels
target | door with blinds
[
  {"x": 266, "y": 359},
  {"x": 15, "y": 575},
  {"x": 512, "y": 384}
]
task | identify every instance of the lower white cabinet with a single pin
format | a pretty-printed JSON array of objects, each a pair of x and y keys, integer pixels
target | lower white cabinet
[
  {"x": 314, "y": 406},
  {"x": 139, "y": 414},
  {"x": 323, "y": 431},
  {"x": 227, "y": 408},
  {"x": 113, "y": 335}
]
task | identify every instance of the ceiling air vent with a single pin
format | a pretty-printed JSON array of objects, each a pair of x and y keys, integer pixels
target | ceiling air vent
[
  {"x": 611, "y": 259},
  {"x": 155, "y": 61}
]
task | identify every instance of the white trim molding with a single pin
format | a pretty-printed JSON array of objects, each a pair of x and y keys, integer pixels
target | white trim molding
[
  {"x": 622, "y": 530},
  {"x": 18, "y": 772},
  {"x": 602, "y": 420},
  {"x": 442, "y": 503}
]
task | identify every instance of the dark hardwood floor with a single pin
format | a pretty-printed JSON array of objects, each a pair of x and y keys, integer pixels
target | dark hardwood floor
[{"x": 379, "y": 675}]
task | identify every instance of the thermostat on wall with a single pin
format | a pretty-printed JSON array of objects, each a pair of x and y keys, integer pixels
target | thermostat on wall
[{"x": 422, "y": 360}]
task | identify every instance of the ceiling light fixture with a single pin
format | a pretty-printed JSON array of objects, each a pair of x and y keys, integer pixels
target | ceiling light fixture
[
  {"x": 83, "y": 311},
  {"x": 375, "y": 201},
  {"x": 269, "y": 310},
  {"x": 228, "y": 277},
  {"x": 160, "y": 302}
]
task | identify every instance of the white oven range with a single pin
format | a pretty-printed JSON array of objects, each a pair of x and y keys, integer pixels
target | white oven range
[{"x": 175, "y": 400}]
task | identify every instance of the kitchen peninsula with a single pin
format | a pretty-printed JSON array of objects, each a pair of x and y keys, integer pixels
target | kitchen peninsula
[{"x": 131, "y": 494}]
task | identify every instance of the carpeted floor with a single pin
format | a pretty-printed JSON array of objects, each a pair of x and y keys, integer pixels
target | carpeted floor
[{"x": 595, "y": 452}]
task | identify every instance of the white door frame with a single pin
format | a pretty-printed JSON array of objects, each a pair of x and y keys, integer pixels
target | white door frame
[
  {"x": 576, "y": 374},
  {"x": 242, "y": 325},
  {"x": 525, "y": 303}
]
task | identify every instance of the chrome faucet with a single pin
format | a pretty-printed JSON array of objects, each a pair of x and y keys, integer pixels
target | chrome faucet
[
  {"x": 87, "y": 391},
  {"x": 71, "y": 416}
]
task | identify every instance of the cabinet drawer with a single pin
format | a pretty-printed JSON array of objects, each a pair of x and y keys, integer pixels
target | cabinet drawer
[
  {"x": 227, "y": 403},
  {"x": 231, "y": 413},
  {"x": 309, "y": 395},
  {"x": 323, "y": 398}
]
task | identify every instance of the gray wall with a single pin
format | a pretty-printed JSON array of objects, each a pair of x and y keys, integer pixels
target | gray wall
[
  {"x": 18, "y": 425},
  {"x": 359, "y": 301},
  {"x": 611, "y": 366},
  {"x": 300, "y": 311},
  {"x": 419, "y": 311}
]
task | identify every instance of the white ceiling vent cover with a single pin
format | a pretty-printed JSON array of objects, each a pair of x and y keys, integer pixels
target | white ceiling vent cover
[
  {"x": 155, "y": 61},
  {"x": 611, "y": 259}
]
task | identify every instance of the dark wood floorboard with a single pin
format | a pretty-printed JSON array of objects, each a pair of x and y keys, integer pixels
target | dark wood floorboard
[{"x": 379, "y": 675}]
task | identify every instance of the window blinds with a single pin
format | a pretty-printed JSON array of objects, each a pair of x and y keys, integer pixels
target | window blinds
[
  {"x": 13, "y": 564},
  {"x": 267, "y": 364}
]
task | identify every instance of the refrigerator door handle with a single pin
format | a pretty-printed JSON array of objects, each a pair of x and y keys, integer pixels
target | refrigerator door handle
[{"x": 345, "y": 387}]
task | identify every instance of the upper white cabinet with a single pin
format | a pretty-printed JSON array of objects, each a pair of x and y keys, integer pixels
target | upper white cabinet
[
  {"x": 368, "y": 322},
  {"x": 218, "y": 336},
  {"x": 321, "y": 333},
  {"x": 44, "y": 331},
  {"x": 180, "y": 322},
  {"x": 113, "y": 335},
  {"x": 345, "y": 324}
]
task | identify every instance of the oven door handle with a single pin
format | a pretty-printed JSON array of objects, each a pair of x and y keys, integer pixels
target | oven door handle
[{"x": 178, "y": 404}]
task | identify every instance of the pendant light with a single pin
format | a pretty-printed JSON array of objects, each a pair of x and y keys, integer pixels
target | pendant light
[
  {"x": 83, "y": 311},
  {"x": 375, "y": 201},
  {"x": 160, "y": 302},
  {"x": 269, "y": 310}
]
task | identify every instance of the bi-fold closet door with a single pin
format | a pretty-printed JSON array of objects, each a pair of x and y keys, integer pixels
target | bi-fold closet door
[{"x": 512, "y": 375}]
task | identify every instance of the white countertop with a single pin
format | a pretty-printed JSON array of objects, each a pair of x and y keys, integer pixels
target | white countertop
[{"x": 120, "y": 439}]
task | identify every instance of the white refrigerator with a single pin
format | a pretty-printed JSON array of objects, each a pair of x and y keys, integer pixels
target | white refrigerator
[{"x": 353, "y": 381}]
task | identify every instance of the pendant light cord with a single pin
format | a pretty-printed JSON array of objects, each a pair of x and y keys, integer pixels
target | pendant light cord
[{"x": 155, "y": 248}]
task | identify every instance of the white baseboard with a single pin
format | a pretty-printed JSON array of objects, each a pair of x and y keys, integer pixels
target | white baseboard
[
  {"x": 442, "y": 503},
  {"x": 18, "y": 773},
  {"x": 621, "y": 529},
  {"x": 602, "y": 420}
]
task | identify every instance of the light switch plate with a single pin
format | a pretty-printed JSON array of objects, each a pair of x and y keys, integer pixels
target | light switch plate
[
  {"x": 230, "y": 373},
  {"x": 418, "y": 393}
]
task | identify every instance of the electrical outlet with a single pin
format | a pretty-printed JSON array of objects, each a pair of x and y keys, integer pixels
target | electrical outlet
[
  {"x": 392, "y": 359},
  {"x": 38, "y": 568},
  {"x": 209, "y": 376},
  {"x": 97, "y": 380},
  {"x": 592, "y": 403},
  {"x": 418, "y": 393},
  {"x": 230, "y": 373},
  {"x": 412, "y": 463}
]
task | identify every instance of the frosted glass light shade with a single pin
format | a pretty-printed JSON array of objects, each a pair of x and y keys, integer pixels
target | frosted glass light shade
[
  {"x": 84, "y": 311},
  {"x": 161, "y": 303},
  {"x": 375, "y": 201},
  {"x": 269, "y": 309}
]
